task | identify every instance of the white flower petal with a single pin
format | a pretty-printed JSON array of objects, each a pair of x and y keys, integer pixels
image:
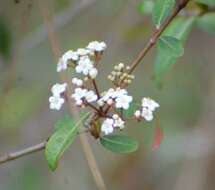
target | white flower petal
[
  {"x": 137, "y": 113},
  {"x": 70, "y": 55},
  {"x": 147, "y": 114},
  {"x": 123, "y": 101},
  {"x": 97, "y": 46},
  {"x": 61, "y": 66},
  {"x": 56, "y": 102},
  {"x": 93, "y": 73},
  {"x": 91, "y": 96},
  {"x": 84, "y": 65},
  {"x": 107, "y": 126},
  {"x": 150, "y": 104},
  {"x": 77, "y": 82},
  {"x": 58, "y": 88}
]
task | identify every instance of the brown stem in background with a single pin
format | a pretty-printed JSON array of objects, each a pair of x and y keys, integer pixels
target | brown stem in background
[{"x": 73, "y": 110}]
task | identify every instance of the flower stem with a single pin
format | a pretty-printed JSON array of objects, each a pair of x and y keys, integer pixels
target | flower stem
[{"x": 96, "y": 88}]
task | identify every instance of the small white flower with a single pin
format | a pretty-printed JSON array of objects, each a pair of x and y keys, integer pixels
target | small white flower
[
  {"x": 107, "y": 95},
  {"x": 150, "y": 104},
  {"x": 147, "y": 114},
  {"x": 62, "y": 65},
  {"x": 84, "y": 65},
  {"x": 119, "y": 92},
  {"x": 107, "y": 126},
  {"x": 83, "y": 52},
  {"x": 110, "y": 101},
  {"x": 137, "y": 113},
  {"x": 123, "y": 101},
  {"x": 70, "y": 55},
  {"x": 79, "y": 102},
  {"x": 114, "y": 95},
  {"x": 77, "y": 82},
  {"x": 79, "y": 94},
  {"x": 93, "y": 73},
  {"x": 100, "y": 102},
  {"x": 118, "y": 122},
  {"x": 56, "y": 102},
  {"x": 97, "y": 46},
  {"x": 91, "y": 96},
  {"x": 57, "y": 89}
]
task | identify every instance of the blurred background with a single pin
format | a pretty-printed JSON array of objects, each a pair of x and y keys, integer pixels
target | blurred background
[{"x": 186, "y": 158}]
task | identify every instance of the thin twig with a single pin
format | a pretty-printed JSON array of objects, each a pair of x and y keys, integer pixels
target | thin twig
[
  {"x": 23, "y": 152},
  {"x": 156, "y": 35},
  {"x": 96, "y": 88},
  {"x": 93, "y": 107}
]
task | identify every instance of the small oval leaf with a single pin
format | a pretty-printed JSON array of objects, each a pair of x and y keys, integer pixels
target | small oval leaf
[
  {"x": 119, "y": 144},
  {"x": 161, "y": 11},
  {"x": 171, "y": 46},
  {"x": 157, "y": 139},
  {"x": 62, "y": 138},
  {"x": 180, "y": 28}
]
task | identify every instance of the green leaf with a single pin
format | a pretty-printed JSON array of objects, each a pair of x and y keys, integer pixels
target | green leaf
[
  {"x": 146, "y": 7},
  {"x": 170, "y": 46},
  {"x": 60, "y": 124},
  {"x": 180, "y": 29},
  {"x": 207, "y": 2},
  {"x": 119, "y": 144},
  {"x": 62, "y": 138},
  {"x": 163, "y": 64},
  {"x": 207, "y": 22},
  {"x": 162, "y": 10}
]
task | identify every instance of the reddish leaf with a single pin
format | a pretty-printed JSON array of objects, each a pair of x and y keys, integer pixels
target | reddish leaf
[{"x": 157, "y": 139}]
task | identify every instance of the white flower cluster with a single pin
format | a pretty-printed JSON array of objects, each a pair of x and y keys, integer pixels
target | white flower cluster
[
  {"x": 81, "y": 58},
  {"x": 118, "y": 96},
  {"x": 97, "y": 46},
  {"x": 82, "y": 95},
  {"x": 64, "y": 60},
  {"x": 83, "y": 65},
  {"x": 86, "y": 67},
  {"x": 106, "y": 104},
  {"x": 56, "y": 101},
  {"x": 77, "y": 82},
  {"x": 148, "y": 107},
  {"x": 109, "y": 124}
]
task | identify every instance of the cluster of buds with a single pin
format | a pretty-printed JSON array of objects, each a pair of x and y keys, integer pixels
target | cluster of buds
[
  {"x": 120, "y": 75},
  {"x": 108, "y": 107}
]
